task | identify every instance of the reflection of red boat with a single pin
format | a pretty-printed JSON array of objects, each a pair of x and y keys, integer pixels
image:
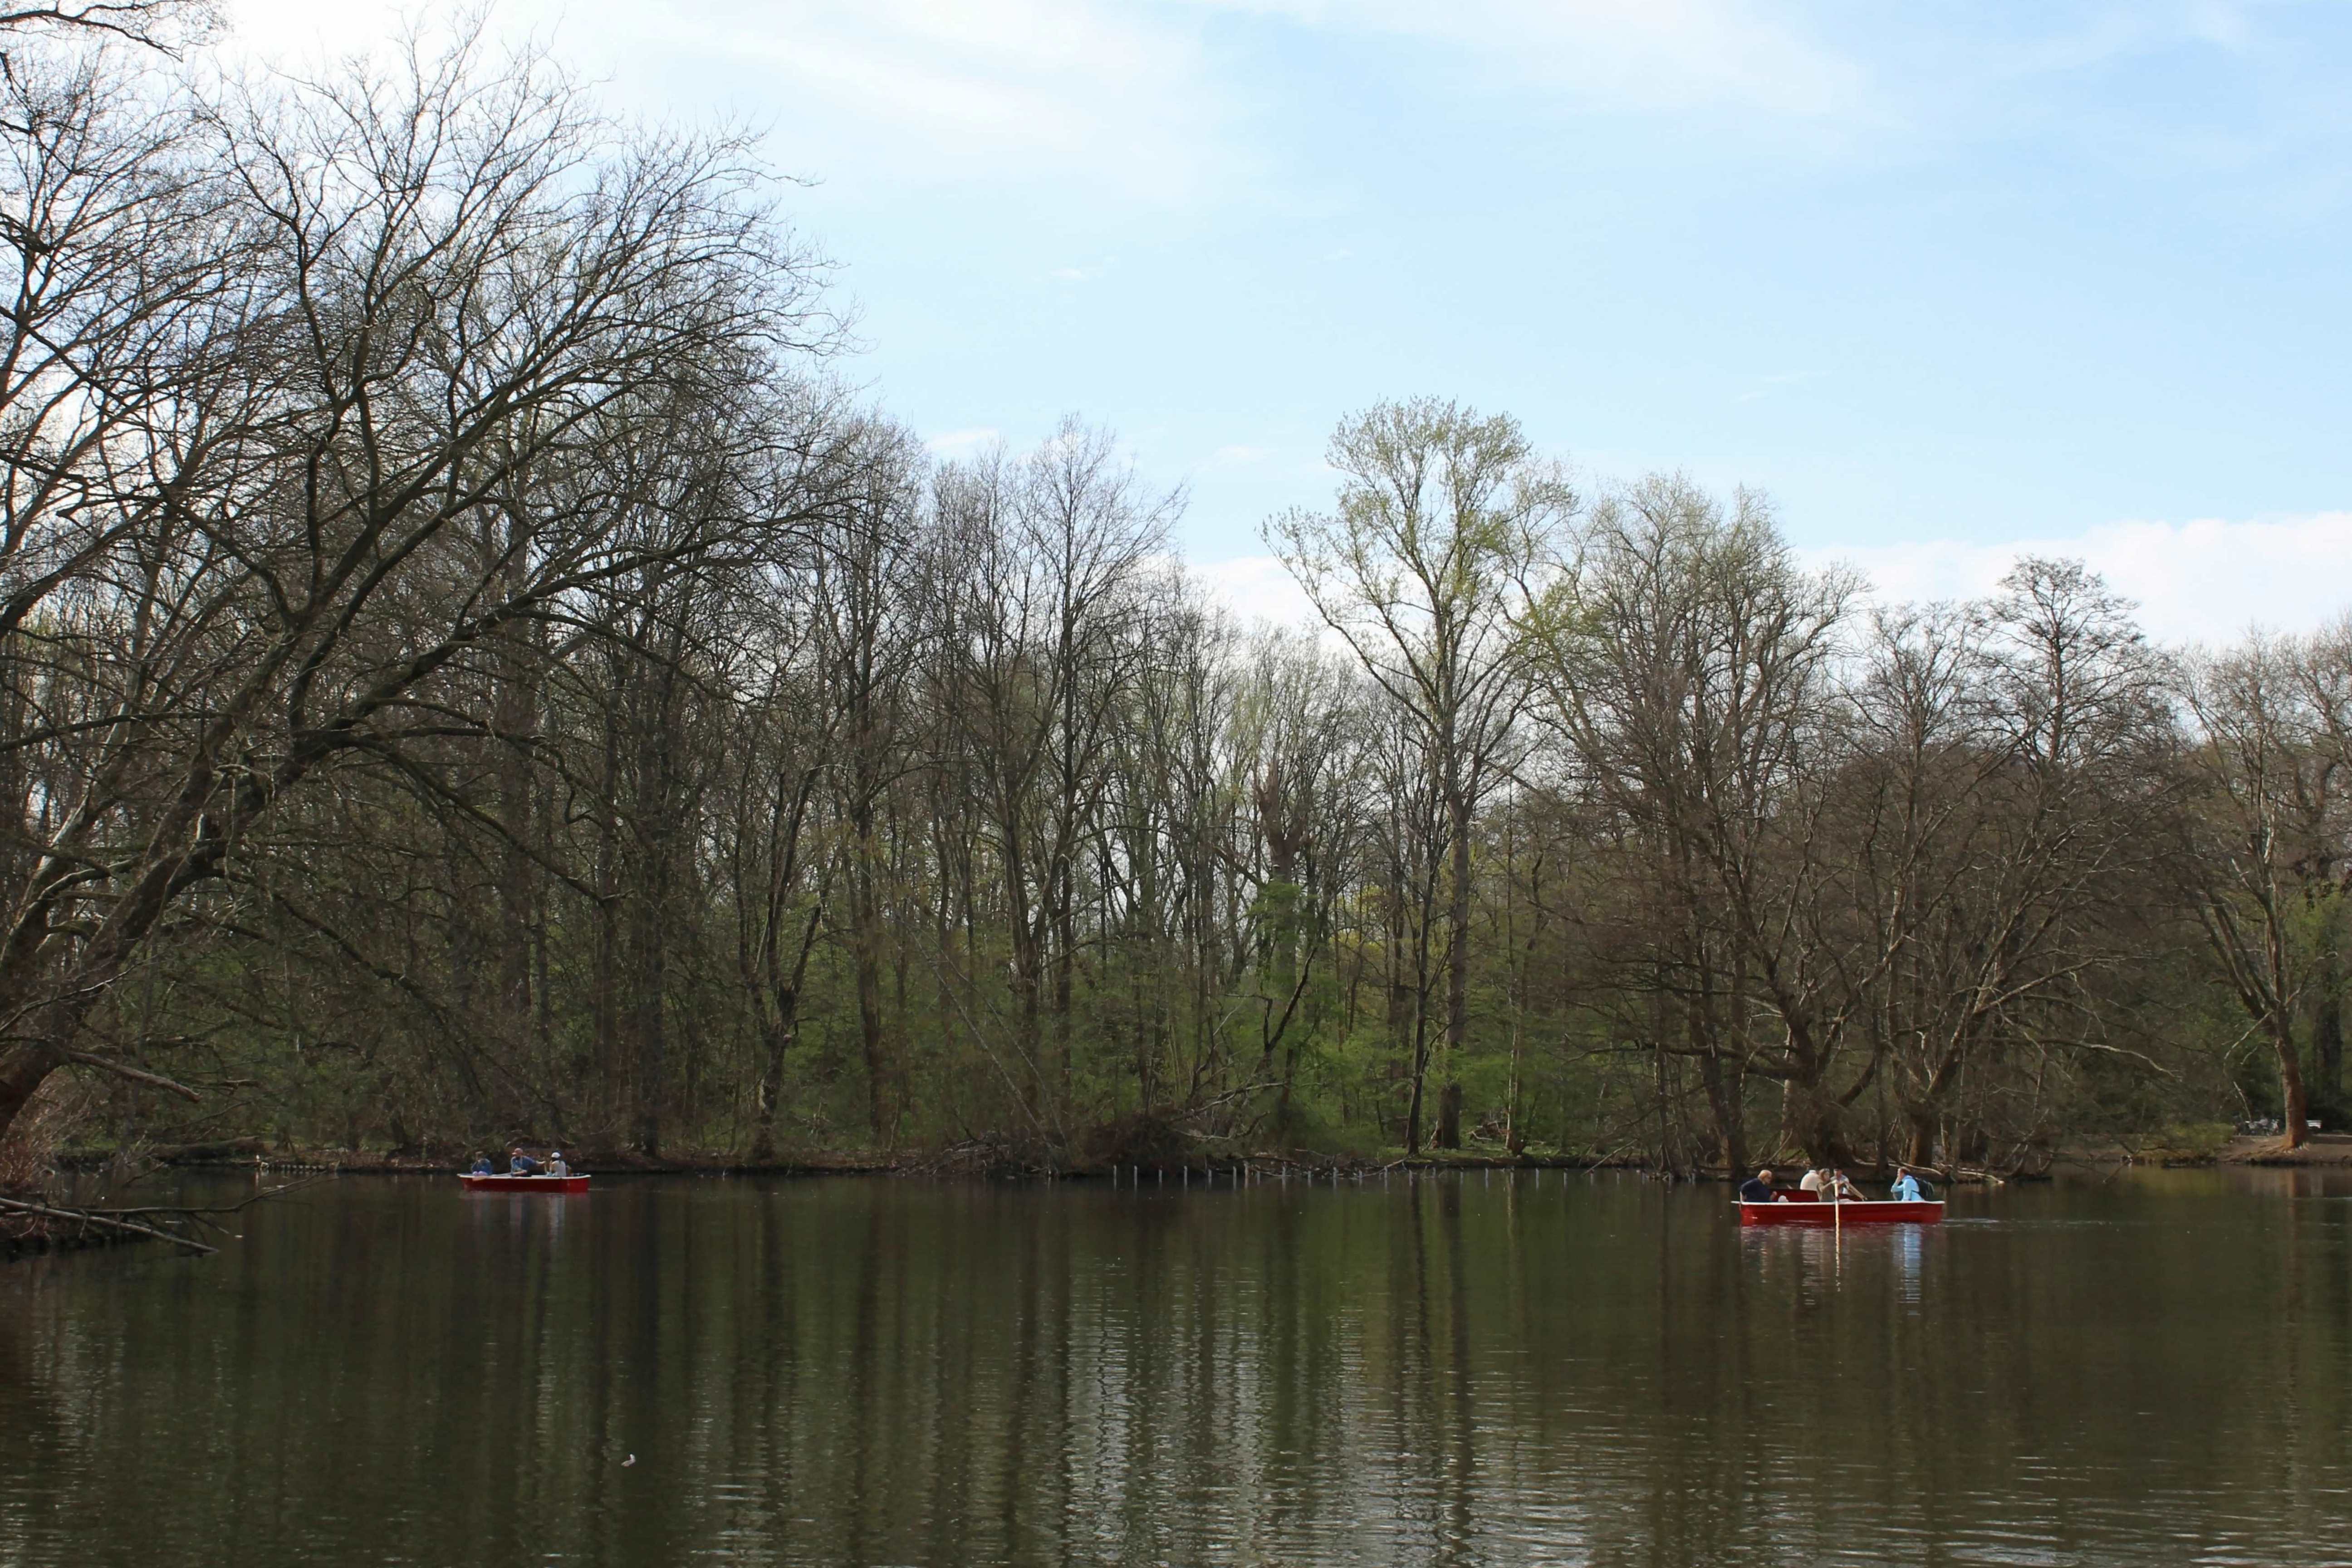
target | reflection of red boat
[
  {"x": 1807, "y": 1208},
  {"x": 571, "y": 1184}
]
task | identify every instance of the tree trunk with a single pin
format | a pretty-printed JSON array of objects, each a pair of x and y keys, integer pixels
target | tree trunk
[
  {"x": 2296, "y": 1111},
  {"x": 603, "y": 983},
  {"x": 657, "y": 838},
  {"x": 1062, "y": 940},
  {"x": 1028, "y": 1007},
  {"x": 866, "y": 941},
  {"x": 2327, "y": 1029},
  {"x": 1809, "y": 1122},
  {"x": 1420, "y": 1077},
  {"x": 1920, "y": 1120},
  {"x": 1449, "y": 1116},
  {"x": 777, "y": 1034},
  {"x": 1457, "y": 976},
  {"x": 1721, "y": 1082},
  {"x": 23, "y": 1066},
  {"x": 515, "y": 719}
]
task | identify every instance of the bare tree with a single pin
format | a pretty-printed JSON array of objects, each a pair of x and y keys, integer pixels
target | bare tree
[
  {"x": 1300, "y": 739},
  {"x": 867, "y": 645},
  {"x": 1687, "y": 665},
  {"x": 443, "y": 277},
  {"x": 1997, "y": 806},
  {"x": 1049, "y": 554},
  {"x": 166, "y": 25},
  {"x": 2262, "y": 853}
]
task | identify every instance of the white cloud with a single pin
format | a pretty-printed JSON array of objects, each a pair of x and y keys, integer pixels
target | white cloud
[
  {"x": 932, "y": 91},
  {"x": 957, "y": 443},
  {"x": 2209, "y": 580},
  {"x": 295, "y": 31},
  {"x": 1257, "y": 588}
]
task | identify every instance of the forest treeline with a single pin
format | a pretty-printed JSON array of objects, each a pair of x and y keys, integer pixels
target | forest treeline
[{"x": 469, "y": 673}]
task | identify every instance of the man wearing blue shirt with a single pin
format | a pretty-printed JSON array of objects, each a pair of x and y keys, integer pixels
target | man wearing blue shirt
[
  {"x": 1906, "y": 1186},
  {"x": 1757, "y": 1189}
]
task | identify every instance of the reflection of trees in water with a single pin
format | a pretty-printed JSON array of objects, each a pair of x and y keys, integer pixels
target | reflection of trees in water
[{"x": 1444, "y": 1370}]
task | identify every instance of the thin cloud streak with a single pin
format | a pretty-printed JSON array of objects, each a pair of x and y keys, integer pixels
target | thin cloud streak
[
  {"x": 1612, "y": 54},
  {"x": 906, "y": 93}
]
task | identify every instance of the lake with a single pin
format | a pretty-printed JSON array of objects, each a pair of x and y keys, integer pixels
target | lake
[{"x": 1473, "y": 1368}]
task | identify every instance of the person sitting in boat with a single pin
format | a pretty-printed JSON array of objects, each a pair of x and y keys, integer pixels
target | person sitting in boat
[
  {"x": 521, "y": 1164},
  {"x": 1906, "y": 1186},
  {"x": 555, "y": 1165},
  {"x": 482, "y": 1165},
  {"x": 1841, "y": 1190},
  {"x": 1757, "y": 1189},
  {"x": 1817, "y": 1181}
]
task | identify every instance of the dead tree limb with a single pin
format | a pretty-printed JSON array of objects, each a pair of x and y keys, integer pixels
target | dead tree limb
[{"x": 105, "y": 1222}]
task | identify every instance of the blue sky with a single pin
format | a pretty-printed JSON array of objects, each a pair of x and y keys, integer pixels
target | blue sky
[{"x": 1945, "y": 280}]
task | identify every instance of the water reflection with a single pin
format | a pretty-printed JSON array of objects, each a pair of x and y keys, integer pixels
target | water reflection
[{"x": 1491, "y": 1369}]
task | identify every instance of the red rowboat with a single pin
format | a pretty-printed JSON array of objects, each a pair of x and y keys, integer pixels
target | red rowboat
[
  {"x": 1806, "y": 1209},
  {"x": 571, "y": 1184}
]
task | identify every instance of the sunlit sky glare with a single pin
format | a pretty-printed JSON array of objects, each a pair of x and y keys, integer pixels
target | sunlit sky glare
[{"x": 1940, "y": 279}]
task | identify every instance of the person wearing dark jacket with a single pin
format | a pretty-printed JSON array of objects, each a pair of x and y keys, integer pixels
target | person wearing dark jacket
[{"x": 1757, "y": 1189}]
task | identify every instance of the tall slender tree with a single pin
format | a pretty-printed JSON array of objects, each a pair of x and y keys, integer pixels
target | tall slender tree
[{"x": 1417, "y": 568}]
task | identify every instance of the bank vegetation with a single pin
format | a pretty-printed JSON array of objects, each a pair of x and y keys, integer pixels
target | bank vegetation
[{"x": 468, "y": 673}]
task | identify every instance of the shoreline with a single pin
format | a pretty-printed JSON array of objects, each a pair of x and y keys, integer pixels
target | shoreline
[
  {"x": 842, "y": 1163},
  {"x": 997, "y": 1164},
  {"x": 2321, "y": 1149},
  {"x": 24, "y": 1235}
]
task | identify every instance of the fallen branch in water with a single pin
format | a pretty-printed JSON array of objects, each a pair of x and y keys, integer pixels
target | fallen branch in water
[
  {"x": 105, "y": 1222},
  {"x": 220, "y": 1208},
  {"x": 201, "y": 1215},
  {"x": 127, "y": 1222}
]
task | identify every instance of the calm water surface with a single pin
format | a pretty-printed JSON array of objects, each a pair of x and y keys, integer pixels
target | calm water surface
[{"x": 1460, "y": 1370}]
